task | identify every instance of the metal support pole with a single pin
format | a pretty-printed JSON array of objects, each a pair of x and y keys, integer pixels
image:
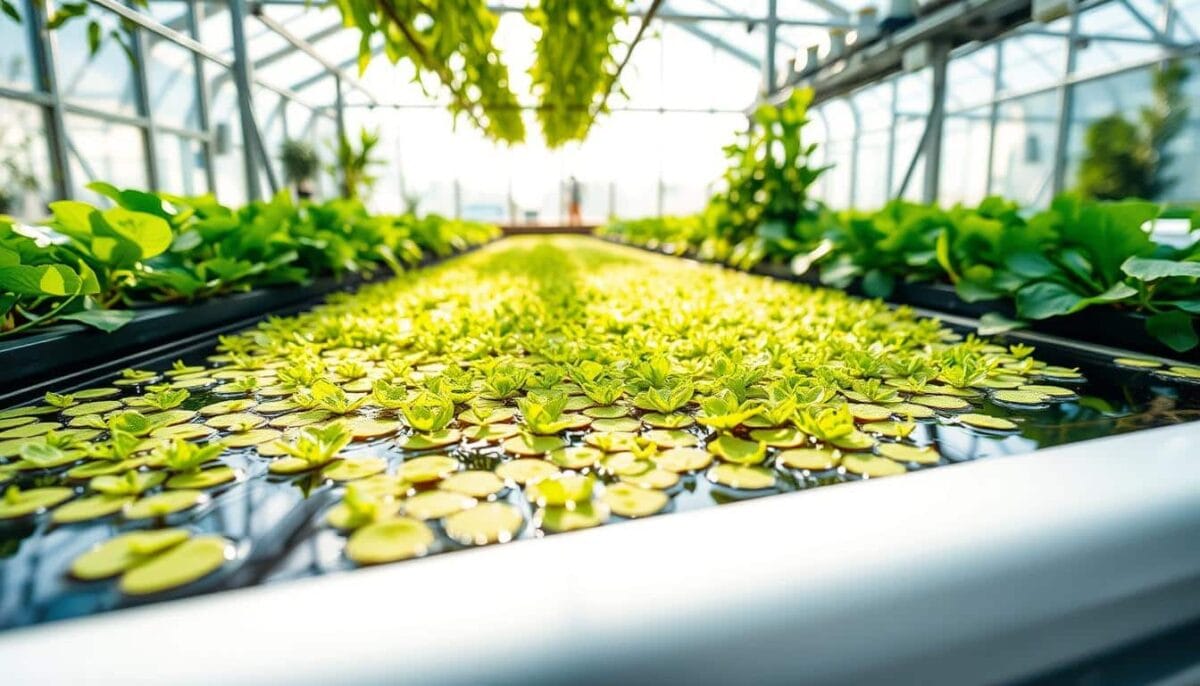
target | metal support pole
[
  {"x": 340, "y": 119},
  {"x": 203, "y": 117},
  {"x": 937, "y": 116},
  {"x": 241, "y": 78},
  {"x": 1066, "y": 103},
  {"x": 890, "y": 174},
  {"x": 856, "y": 119},
  {"x": 140, "y": 50},
  {"x": 994, "y": 116},
  {"x": 772, "y": 37},
  {"x": 56, "y": 129}
]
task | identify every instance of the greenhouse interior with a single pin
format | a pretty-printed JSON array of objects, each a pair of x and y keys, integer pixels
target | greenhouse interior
[{"x": 767, "y": 341}]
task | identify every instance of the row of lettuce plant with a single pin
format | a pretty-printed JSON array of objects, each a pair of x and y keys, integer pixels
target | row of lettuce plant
[
  {"x": 97, "y": 266},
  {"x": 1073, "y": 255}
]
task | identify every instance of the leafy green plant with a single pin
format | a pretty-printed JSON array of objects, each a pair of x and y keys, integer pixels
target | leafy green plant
[
  {"x": 183, "y": 457},
  {"x": 353, "y": 164},
  {"x": 453, "y": 40},
  {"x": 300, "y": 164},
  {"x": 541, "y": 412},
  {"x": 428, "y": 412},
  {"x": 574, "y": 65},
  {"x": 318, "y": 446},
  {"x": 1127, "y": 159}
]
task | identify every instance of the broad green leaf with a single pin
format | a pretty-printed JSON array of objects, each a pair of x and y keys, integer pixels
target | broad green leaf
[
  {"x": 73, "y": 215},
  {"x": 1030, "y": 265},
  {"x": 54, "y": 279},
  {"x": 993, "y": 323},
  {"x": 151, "y": 234},
  {"x": 1148, "y": 269},
  {"x": 1176, "y": 329},
  {"x": 10, "y": 10},
  {"x": 9, "y": 258},
  {"x": 1046, "y": 299},
  {"x": 105, "y": 320}
]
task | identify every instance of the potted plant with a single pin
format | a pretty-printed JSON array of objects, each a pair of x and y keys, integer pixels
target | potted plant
[
  {"x": 353, "y": 164},
  {"x": 300, "y": 165}
]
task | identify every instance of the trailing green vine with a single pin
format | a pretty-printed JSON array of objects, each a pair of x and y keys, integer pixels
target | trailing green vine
[
  {"x": 453, "y": 40},
  {"x": 574, "y": 65}
]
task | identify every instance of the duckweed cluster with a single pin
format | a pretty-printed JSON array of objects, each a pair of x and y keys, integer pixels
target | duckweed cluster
[{"x": 535, "y": 387}]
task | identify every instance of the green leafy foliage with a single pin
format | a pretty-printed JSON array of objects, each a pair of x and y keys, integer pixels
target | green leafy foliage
[
  {"x": 574, "y": 66},
  {"x": 88, "y": 265},
  {"x": 452, "y": 40}
]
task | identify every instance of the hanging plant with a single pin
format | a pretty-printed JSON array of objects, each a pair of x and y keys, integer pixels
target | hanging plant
[
  {"x": 453, "y": 40},
  {"x": 575, "y": 65}
]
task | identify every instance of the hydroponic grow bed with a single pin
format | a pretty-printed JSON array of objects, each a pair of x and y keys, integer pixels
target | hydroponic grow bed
[{"x": 542, "y": 385}]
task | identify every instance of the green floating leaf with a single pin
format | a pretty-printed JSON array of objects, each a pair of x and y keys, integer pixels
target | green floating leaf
[
  {"x": 105, "y": 320},
  {"x": 992, "y": 323}
]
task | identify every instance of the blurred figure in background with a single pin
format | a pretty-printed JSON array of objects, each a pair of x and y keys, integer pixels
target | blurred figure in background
[{"x": 574, "y": 201}]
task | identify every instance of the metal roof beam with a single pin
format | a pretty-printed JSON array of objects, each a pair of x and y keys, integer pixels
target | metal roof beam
[{"x": 307, "y": 48}]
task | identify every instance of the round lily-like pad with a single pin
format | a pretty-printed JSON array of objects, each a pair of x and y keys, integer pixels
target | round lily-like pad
[
  {"x": 16, "y": 503},
  {"x": 738, "y": 450},
  {"x": 660, "y": 479},
  {"x": 341, "y": 517},
  {"x": 987, "y": 422},
  {"x": 872, "y": 466},
  {"x": 429, "y": 441},
  {"x": 164, "y": 504},
  {"x": 1137, "y": 362},
  {"x": 203, "y": 478},
  {"x": 579, "y": 516},
  {"x": 1052, "y": 392},
  {"x": 946, "y": 403},
  {"x": 88, "y": 470},
  {"x": 811, "y": 459},
  {"x": 1020, "y": 398},
  {"x": 390, "y": 540},
  {"x": 485, "y": 523},
  {"x": 628, "y": 500},
  {"x": 89, "y": 508},
  {"x": 855, "y": 440},
  {"x": 682, "y": 460},
  {"x": 674, "y": 420},
  {"x": 271, "y": 407},
  {"x": 561, "y": 489},
  {"x": 866, "y": 412},
  {"x": 491, "y": 433},
  {"x": 612, "y": 441},
  {"x": 476, "y": 483},
  {"x": 30, "y": 430},
  {"x": 670, "y": 438},
  {"x": 170, "y": 417},
  {"x": 251, "y": 438},
  {"x": 352, "y": 469},
  {"x": 94, "y": 407},
  {"x": 383, "y": 486},
  {"x": 295, "y": 419},
  {"x": 617, "y": 424},
  {"x": 607, "y": 412},
  {"x": 236, "y": 421},
  {"x": 420, "y": 470},
  {"x": 575, "y": 457},
  {"x": 16, "y": 421},
  {"x": 526, "y": 471},
  {"x": 742, "y": 477},
  {"x": 785, "y": 437},
  {"x": 891, "y": 429},
  {"x": 496, "y": 415},
  {"x": 96, "y": 393},
  {"x": 901, "y": 452},
  {"x": 188, "y": 432},
  {"x": 365, "y": 428},
  {"x": 129, "y": 483},
  {"x": 180, "y": 565},
  {"x": 437, "y": 504},
  {"x": 122, "y": 552},
  {"x": 532, "y": 445}
]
